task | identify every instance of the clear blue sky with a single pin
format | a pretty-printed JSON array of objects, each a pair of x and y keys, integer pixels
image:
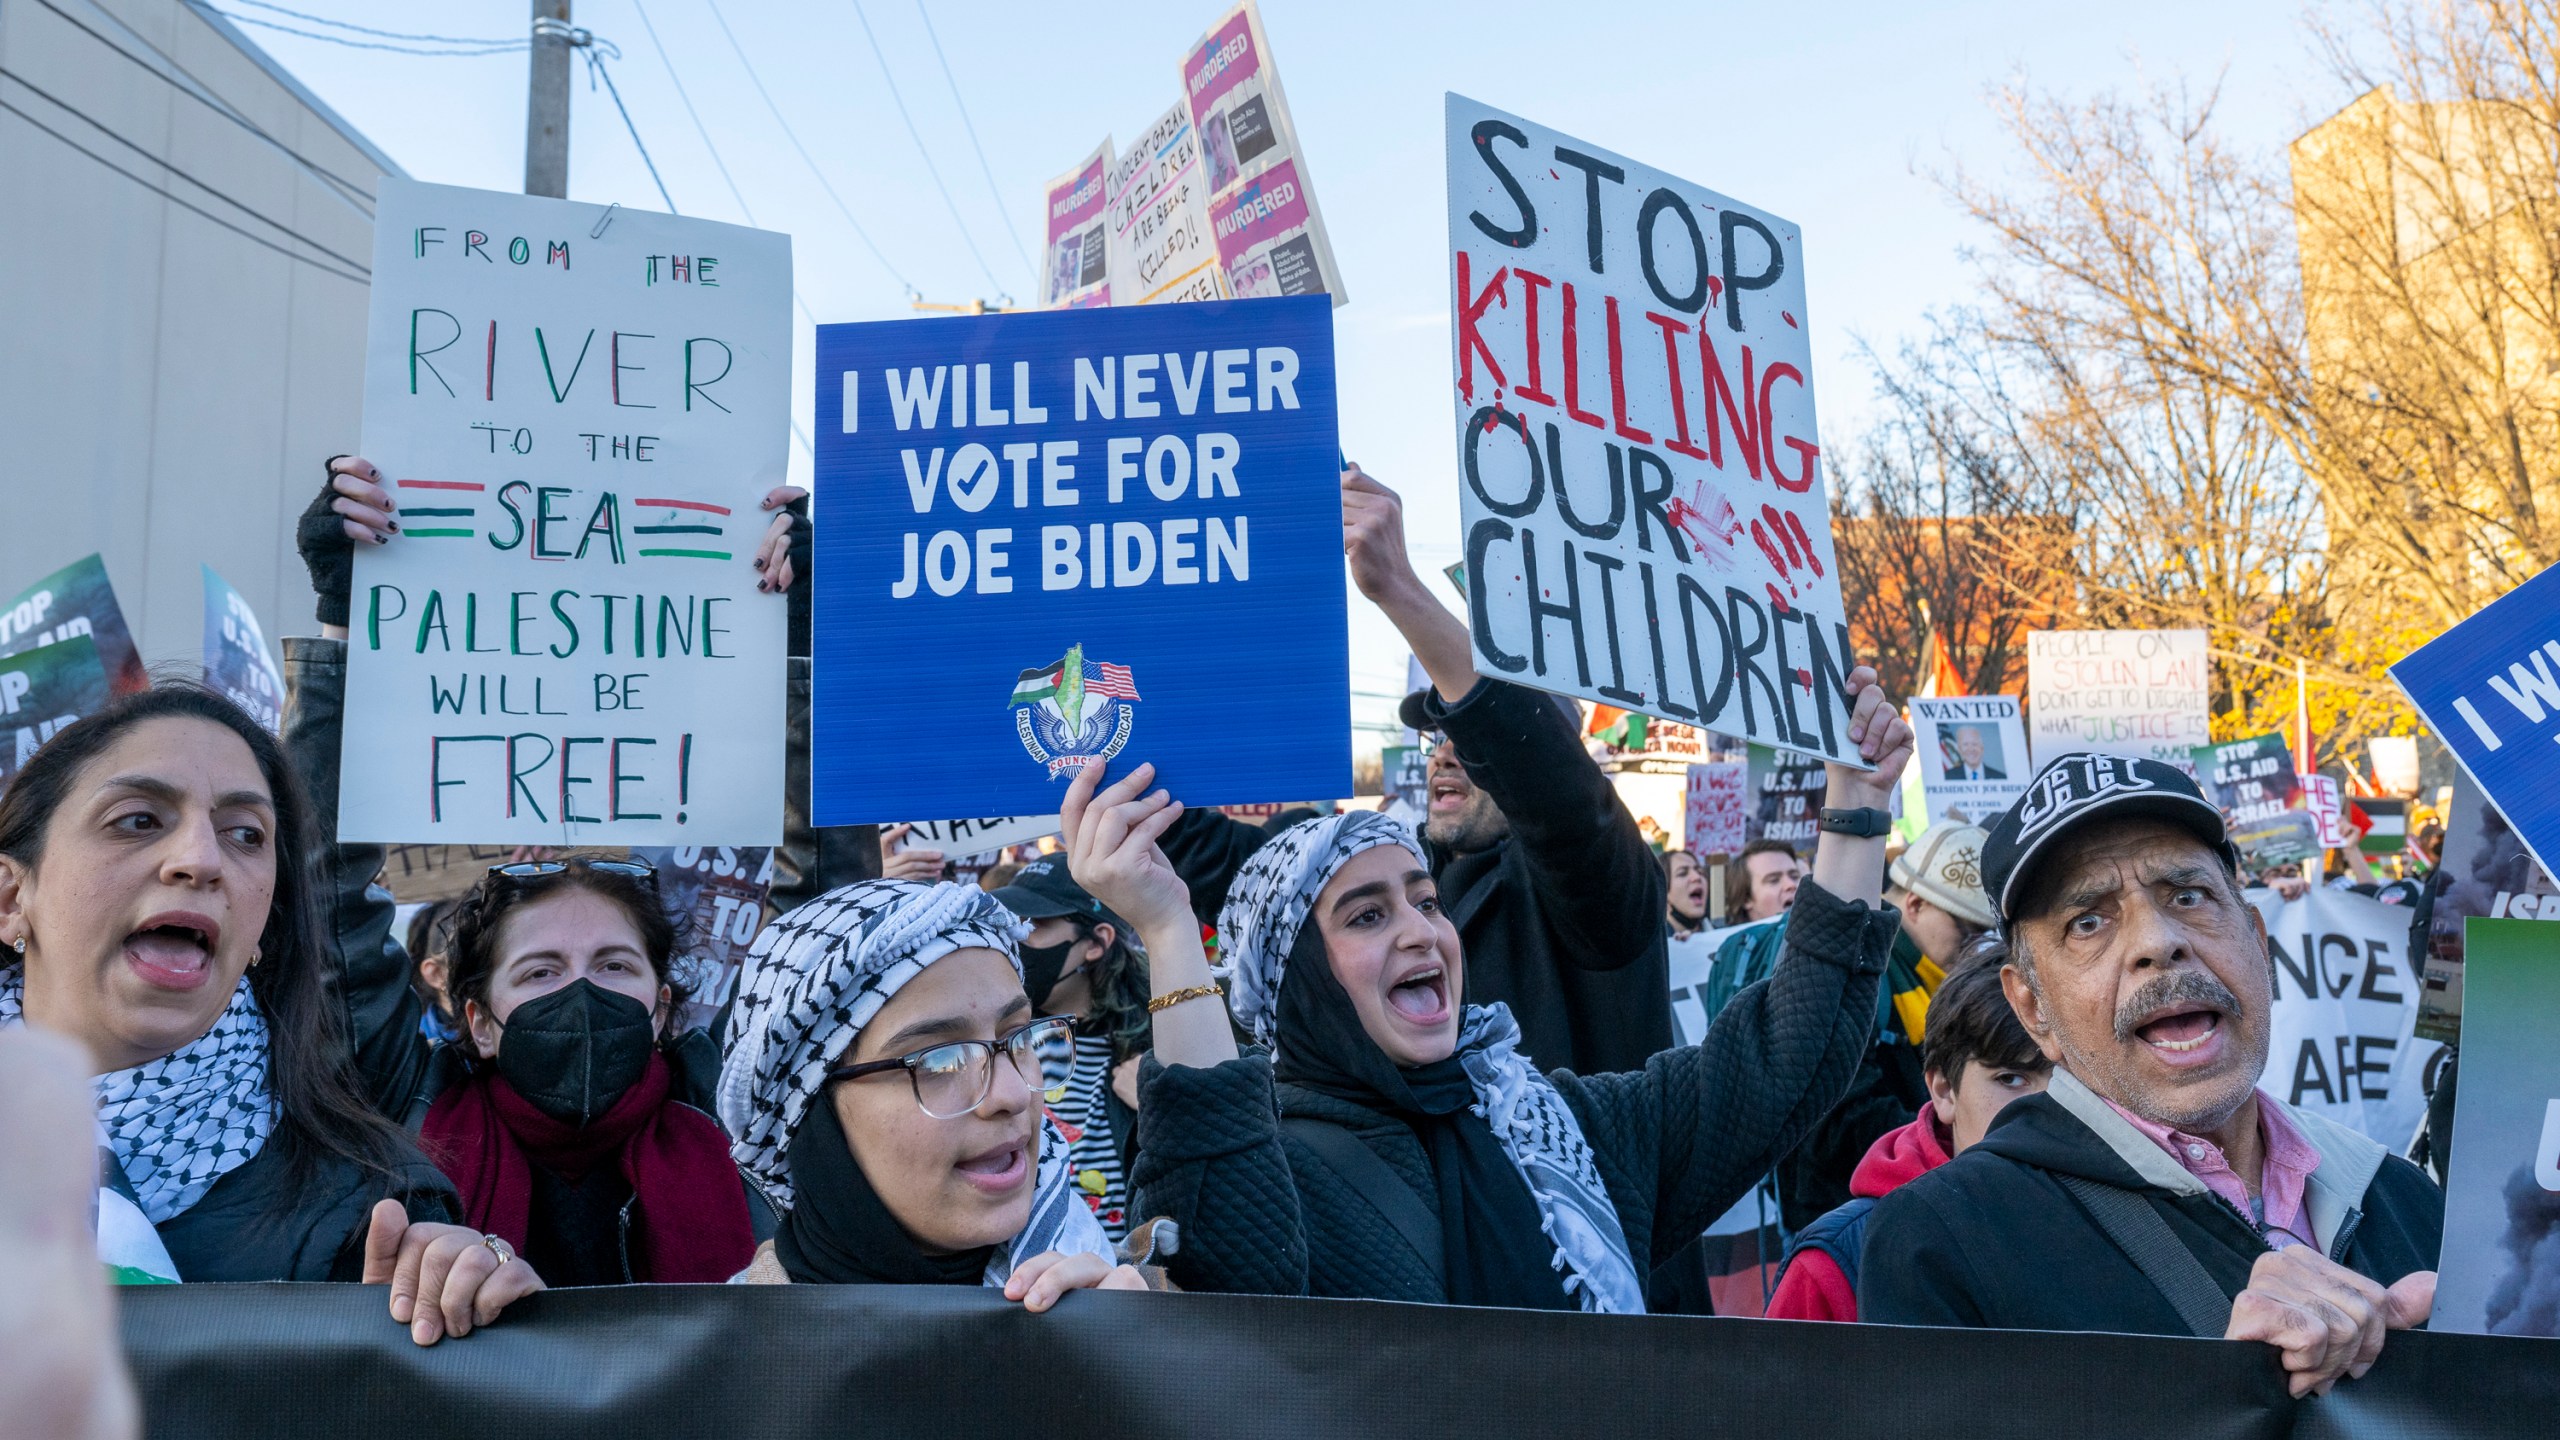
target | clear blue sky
[{"x": 1831, "y": 115}]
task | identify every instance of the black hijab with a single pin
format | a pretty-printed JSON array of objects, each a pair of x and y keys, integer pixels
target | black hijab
[
  {"x": 839, "y": 1232},
  {"x": 1495, "y": 1250}
]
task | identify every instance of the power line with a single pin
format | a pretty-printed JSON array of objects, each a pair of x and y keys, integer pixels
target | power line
[
  {"x": 102, "y": 128},
  {"x": 595, "y": 70},
  {"x": 1004, "y": 212},
  {"x": 380, "y": 34},
  {"x": 183, "y": 204},
  {"x": 324, "y": 37},
  {"x": 794, "y": 137},
  {"x": 913, "y": 134},
  {"x": 698, "y": 127},
  {"x": 346, "y": 192}
]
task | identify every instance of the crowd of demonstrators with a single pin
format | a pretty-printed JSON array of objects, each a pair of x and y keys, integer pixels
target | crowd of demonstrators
[
  {"x": 1082, "y": 962},
  {"x": 1684, "y": 887},
  {"x": 2007, "y": 1057},
  {"x": 1388, "y": 1138},
  {"x": 2144, "y": 976},
  {"x": 1543, "y": 872},
  {"x": 1975, "y": 1058},
  {"x": 885, "y": 1084}
]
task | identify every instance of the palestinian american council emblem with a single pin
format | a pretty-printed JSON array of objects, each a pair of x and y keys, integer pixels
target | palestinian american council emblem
[{"x": 1074, "y": 712}]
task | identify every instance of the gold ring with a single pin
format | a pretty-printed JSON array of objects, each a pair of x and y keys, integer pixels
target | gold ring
[{"x": 499, "y": 1247}]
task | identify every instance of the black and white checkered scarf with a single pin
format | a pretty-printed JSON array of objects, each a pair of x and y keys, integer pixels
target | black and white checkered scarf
[
  {"x": 185, "y": 1120},
  {"x": 1266, "y": 908},
  {"x": 815, "y": 977}
]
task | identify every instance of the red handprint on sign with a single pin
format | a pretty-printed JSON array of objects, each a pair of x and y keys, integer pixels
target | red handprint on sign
[{"x": 1782, "y": 538}]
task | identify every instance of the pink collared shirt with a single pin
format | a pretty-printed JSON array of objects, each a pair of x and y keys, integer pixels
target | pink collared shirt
[{"x": 2290, "y": 1159}]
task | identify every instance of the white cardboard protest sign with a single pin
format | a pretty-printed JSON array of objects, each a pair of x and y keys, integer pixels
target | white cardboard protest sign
[
  {"x": 1717, "y": 811},
  {"x": 1647, "y": 524},
  {"x": 1270, "y": 234},
  {"x": 577, "y": 412},
  {"x": 1075, "y": 268},
  {"x": 972, "y": 837},
  {"x": 2136, "y": 693},
  {"x": 1157, "y": 218},
  {"x": 2342, "y": 1031},
  {"x": 1973, "y": 755}
]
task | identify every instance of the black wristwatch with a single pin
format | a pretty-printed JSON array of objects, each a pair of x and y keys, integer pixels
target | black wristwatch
[{"x": 1866, "y": 823}]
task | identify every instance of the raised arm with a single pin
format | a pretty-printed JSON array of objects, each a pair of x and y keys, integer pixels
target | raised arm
[{"x": 1784, "y": 1051}]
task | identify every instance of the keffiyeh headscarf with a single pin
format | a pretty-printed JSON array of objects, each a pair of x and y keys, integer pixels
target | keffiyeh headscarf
[
  {"x": 819, "y": 974},
  {"x": 1265, "y": 922},
  {"x": 179, "y": 1123}
]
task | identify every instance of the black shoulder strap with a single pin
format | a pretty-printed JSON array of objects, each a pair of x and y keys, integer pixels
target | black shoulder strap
[
  {"x": 1364, "y": 1171},
  {"x": 2144, "y": 1237}
]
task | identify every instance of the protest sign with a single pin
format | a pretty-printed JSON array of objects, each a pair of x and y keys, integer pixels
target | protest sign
[
  {"x": 1157, "y": 216},
  {"x": 2490, "y": 689},
  {"x": 1077, "y": 272},
  {"x": 2486, "y": 874},
  {"x": 1613, "y": 323},
  {"x": 1120, "y": 536},
  {"x": 578, "y": 413},
  {"x": 714, "y": 896},
  {"x": 424, "y": 874},
  {"x": 75, "y": 600},
  {"x": 1973, "y": 756},
  {"x": 2342, "y": 1032},
  {"x": 1715, "y": 819},
  {"x": 969, "y": 837},
  {"x": 2500, "y": 1271},
  {"x": 2325, "y": 801},
  {"x": 2261, "y": 799},
  {"x": 1786, "y": 797},
  {"x": 1405, "y": 778},
  {"x": 237, "y": 661},
  {"x": 44, "y": 689},
  {"x": 2136, "y": 693},
  {"x": 1270, "y": 234}
]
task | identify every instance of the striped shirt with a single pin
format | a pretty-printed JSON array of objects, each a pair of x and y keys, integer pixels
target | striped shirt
[{"x": 1093, "y": 1153}]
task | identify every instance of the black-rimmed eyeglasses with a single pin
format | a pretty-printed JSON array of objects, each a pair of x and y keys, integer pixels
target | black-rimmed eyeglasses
[{"x": 953, "y": 1079}]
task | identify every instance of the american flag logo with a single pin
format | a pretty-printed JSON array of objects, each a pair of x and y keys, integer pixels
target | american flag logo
[{"x": 1112, "y": 680}]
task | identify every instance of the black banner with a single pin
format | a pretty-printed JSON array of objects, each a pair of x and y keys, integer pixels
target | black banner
[{"x": 282, "y": 1362}]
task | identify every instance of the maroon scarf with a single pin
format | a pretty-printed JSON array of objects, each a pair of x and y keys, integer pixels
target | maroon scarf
[{"x": 692, "y": 1208}]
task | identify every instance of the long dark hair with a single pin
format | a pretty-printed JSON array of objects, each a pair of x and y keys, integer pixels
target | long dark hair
[
  {"x": 1120, "y": 989},
  {"x": 321, "y": 1110},
  {"x": 471, "y": 965}
]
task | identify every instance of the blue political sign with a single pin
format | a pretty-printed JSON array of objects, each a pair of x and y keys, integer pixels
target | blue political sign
[
  {"x": 2490, "y": 689},
  {"x": 1071, "y": 536}
]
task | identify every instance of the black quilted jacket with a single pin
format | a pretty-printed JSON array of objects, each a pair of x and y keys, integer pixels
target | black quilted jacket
[{"x": 1677, "y": 1142}]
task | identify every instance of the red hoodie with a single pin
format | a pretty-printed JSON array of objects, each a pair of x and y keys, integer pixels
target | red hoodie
[{"x": 1813, "y": 1287}]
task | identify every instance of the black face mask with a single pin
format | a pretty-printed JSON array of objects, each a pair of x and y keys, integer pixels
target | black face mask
[
  {"x": 573, "y": 1052},
  {"x": 1042, "y": 965}
]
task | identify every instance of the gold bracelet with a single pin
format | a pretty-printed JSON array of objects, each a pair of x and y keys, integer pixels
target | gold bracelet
[{"x": 1196, "y": 992}]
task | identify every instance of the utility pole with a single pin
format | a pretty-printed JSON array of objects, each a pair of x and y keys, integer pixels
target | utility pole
[{"x": 546, "y": 103}]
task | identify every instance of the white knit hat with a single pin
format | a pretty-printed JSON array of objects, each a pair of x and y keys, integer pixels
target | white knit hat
[{"x": 1944, "y": 867}]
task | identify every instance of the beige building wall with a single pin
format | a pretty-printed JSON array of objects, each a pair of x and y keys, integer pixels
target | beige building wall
[{"x": 170, "y": 386}]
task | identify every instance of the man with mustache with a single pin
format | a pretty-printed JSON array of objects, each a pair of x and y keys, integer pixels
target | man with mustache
[{"x": 2154, "y": 1188}]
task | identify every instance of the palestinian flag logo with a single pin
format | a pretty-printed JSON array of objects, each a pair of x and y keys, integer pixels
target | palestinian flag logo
[{"x": 1074, "y": 712}]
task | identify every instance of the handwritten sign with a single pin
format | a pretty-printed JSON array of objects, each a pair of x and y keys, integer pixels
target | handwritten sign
[
  {"x": 1162, "y": 251},
  {"x": 1078, "y": 268},
  {"x": 75, "y": 600},
  {"x": 1973, "y": 755},
  {"x": 43, "y": 690},
  {"x": 1717, "y": 814},
  {"x": 2136, "y": 693},
  {"x": 970, "y": 837},
  {"x": 237, "y": 661},
  {"x": 1647, "y": 524},
  {"x": 1085, "y": 534},
  {"x": 2261, "y": 798},
  {"x": 1271, "y": 238},
  {"x": 578, "y": 414},
  {"x": 714, "y": 896}
]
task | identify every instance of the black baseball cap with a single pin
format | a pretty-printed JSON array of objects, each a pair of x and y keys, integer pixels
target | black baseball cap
[
  {"x": 1043, "y": 889},
  {"x": 2078, "y": 789}
]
